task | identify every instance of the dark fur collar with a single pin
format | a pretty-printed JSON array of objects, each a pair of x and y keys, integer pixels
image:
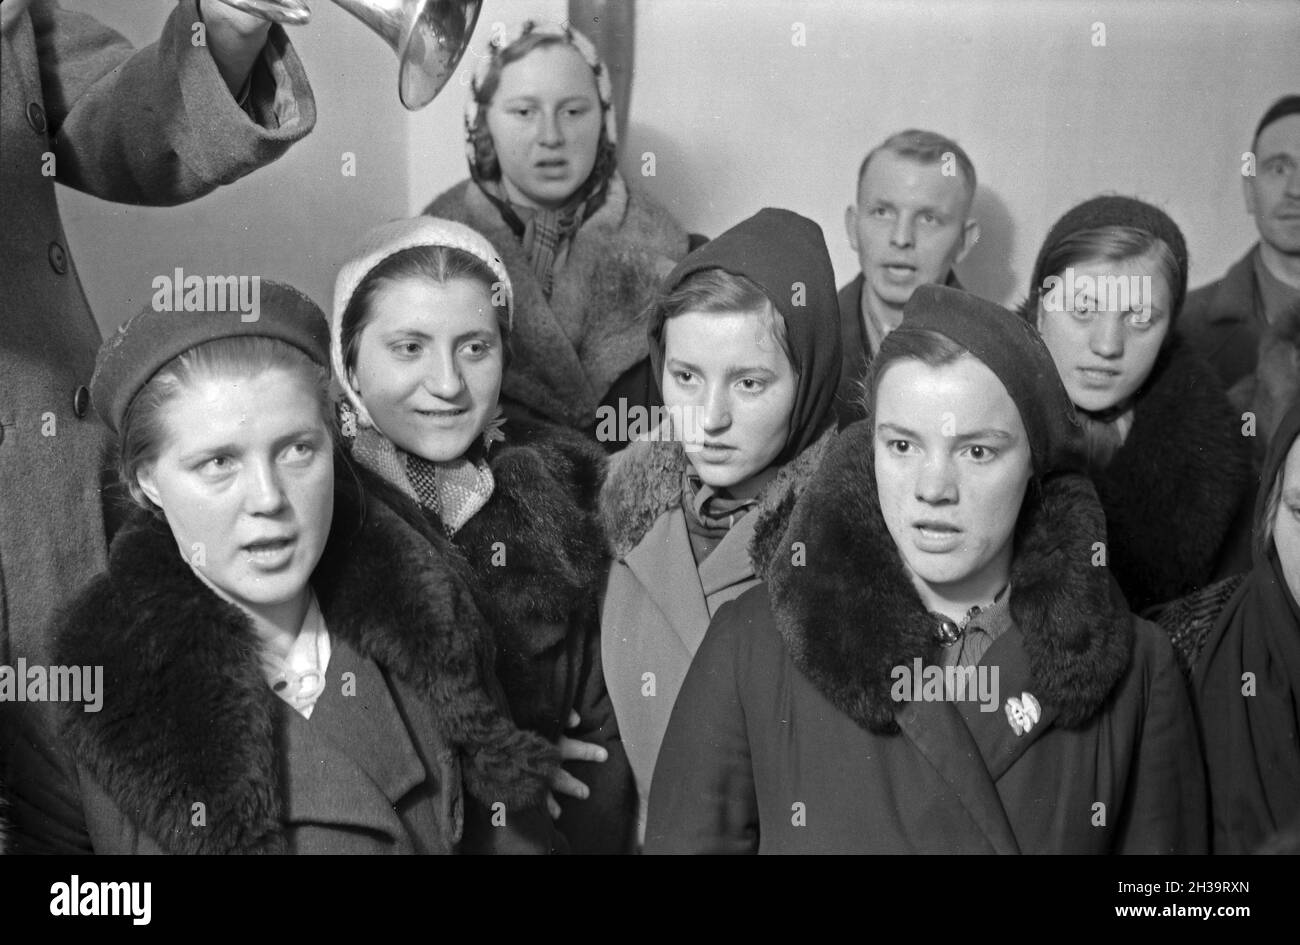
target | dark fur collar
[
  {"x": 1173, "y": 490},
  {"x": 188, "y": 715},
  {"x": 645, "y": 481},
  {"x": 850, "y": 613}
]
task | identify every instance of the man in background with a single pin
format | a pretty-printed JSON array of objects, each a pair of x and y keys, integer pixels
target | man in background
[{"x": 910, "y": 225}]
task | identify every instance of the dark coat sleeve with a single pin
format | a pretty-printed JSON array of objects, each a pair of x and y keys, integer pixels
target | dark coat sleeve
[
  {"x": 702, "y": 798},
  {"x": 1165, "y": 804},
  {"x": 45, "y": 805},
  {"x": 159, "y": 126}
]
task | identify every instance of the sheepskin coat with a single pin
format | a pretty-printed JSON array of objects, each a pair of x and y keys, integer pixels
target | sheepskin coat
[
  {"x": 658, "y": 603},
  {"x": 787, "y": 736},
  {"x": 610, "y": 275},
  {"x": 536, "y": 561},
  {"x": 408, "y": 750},
  {"x": 1178, "y": 494}
]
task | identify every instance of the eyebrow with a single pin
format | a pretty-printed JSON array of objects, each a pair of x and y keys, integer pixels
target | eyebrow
[
  {"x": 732, "y": 370},
  {"x": 990, "y": 433},
  {"x": 219, "y": 449},
  {"x": 579, "y": 97}
]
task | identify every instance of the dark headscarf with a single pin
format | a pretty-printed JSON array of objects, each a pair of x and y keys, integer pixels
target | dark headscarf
[
  {"x": 785, "y": 254},
  {"x": 1252, "y": 742}
]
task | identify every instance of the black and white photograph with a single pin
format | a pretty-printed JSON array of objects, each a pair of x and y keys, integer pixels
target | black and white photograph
[{"x": 626, "y": 427}]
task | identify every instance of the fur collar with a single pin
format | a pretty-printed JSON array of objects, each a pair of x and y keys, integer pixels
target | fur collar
[
  {"x": 851, "y": 613},
  {"x": 645, "y": 481},
  {"x": 1173, "y": 490},
  {"x": 191, "y": 715},
  {"x": 612, "y": 269}
]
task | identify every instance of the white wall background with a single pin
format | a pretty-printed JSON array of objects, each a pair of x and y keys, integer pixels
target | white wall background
[{"x": 739, "y": 117}]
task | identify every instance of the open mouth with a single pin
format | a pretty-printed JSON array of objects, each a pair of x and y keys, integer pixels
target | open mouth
[{"x": 270, "y": 552}]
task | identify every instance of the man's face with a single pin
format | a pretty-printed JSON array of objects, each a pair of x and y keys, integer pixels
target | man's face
[
  {"x": 1273, "y": 194},
  {"x": 909, "y": 226}
]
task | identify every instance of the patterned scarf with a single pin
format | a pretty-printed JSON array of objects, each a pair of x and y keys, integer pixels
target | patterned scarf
[{"x": 545, "y": 234}]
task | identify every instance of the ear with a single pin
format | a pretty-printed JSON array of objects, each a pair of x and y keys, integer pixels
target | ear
[
  {"x": 851, "y": 225},
  {"x": 352, "y": 382},
  {"x": 144, "y": 477},
  {"x": 970, "y": 235}
]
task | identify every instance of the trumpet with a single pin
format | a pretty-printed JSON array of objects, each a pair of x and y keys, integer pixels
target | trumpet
[{"x": 429, "y": 36}]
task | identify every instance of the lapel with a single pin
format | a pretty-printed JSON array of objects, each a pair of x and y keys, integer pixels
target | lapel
[
  {"x": 998, "y": 743},
  {"x": 730, "y": 563},
  {"x": 353, "y": 760},
  {"x": 938, "y": 732},
  {"x": 663, "y": 564}
]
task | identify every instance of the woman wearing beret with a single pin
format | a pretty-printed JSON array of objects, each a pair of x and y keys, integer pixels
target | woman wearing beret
[
  {"x": 746, "y": 344},
  {"x": 584, "y": 250},
  {"x": 1242, "y": 637},
  {"x": 1165, "y": 449},
  {"x": 286, "y": 666},
  {"x": 934, "y": 663},
  {"x": 421, "y": 337}
]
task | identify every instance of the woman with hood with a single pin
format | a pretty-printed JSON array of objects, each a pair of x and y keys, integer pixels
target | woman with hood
[
  {"x": 584, "y": 249},
  {"x": 1242, "y": 637},
  {"x": 934, "y": 662},
  {"x": 422, "y": 332},
  {"x": 745, "y": 343},
  {"x": 286, "y": 666},
  {"x": 1165, "y": 449}
]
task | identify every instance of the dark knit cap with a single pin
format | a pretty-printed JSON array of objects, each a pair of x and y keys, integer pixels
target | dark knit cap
[
  {"x": 785, "y": 254},
  {"x": 1117, "y": 211},
  {"x": 142, "y": 346},
  {"x": 1286, "y": 105},
  {"x": 1011, "y": 348}
]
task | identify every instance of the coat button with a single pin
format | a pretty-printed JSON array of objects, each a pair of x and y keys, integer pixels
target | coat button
[
  {"x": 36, "y": 117},
  {"x": 81, "y": 402},
  {"x": 58, "y": 258}
]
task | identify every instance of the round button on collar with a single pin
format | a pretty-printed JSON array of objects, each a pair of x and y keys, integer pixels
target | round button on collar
[
  {"x": 81, "y": 402},
  {"x": 36, "y": 117},
  {"x": 58, "y": 258}
]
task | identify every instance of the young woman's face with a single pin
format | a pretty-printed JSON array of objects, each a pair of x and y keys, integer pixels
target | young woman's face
[
  {"x": 952, "y": 465},
  {"x": 735, "y": 388},
  {"x": 429, "y": 364},
  {"x": 245, "y": 477},
  {"x": 545, "y": 122},
  {"x": 1286, "y": 527},
  {"x": 1103, "y": 347}
]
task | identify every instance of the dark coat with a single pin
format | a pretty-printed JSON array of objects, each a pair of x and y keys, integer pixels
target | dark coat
[
  {"x": 613, "y": 267},
  {"x": 786, "y": 736},
  {"x": 157, "y": 127},
  {"x": 408, "y": 754},
  {"x": 1178, "y": 494},
  {"x": 1223, "y": 321},
  {"x": 856, "y": 351},
  {"x": 536, "y": 562}
]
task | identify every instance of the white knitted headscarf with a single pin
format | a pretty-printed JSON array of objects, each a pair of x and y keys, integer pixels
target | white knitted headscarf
[{"x": 370, "y": 446}]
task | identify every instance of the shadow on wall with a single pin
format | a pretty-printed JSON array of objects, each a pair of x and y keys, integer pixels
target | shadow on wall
[
  {"x": 987, "y": 270},
  {"x": 661, "y": 167}
]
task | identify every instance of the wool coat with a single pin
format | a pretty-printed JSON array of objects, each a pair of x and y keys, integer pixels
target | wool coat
[
  {"x": 408, "y": 750},
  {"x": 1224, "y": 319},
  {"x": 788, "y": 736},
  {"x": 156, "y": 127},
  {"x": 614, "y": 265},
  {"x": 1178, "y": 494},
  {"x": 658, "y": 603},
  {"x": 536, "y": 560},
  {"x": 856, "y": 351}
]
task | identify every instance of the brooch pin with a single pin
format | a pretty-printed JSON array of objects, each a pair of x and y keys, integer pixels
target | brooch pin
[{"x": 1023, "y": 713}]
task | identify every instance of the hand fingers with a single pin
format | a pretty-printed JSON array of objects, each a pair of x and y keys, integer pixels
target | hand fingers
[
  {"x": 573, "y": 750},
  {"x": 564, "y": 783},
  {"x": 574, "y": 719},
  {"x": 553, "y": 806}
]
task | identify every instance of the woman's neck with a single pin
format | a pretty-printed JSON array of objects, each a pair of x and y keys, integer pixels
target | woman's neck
[{"x": 954, "y": 600}]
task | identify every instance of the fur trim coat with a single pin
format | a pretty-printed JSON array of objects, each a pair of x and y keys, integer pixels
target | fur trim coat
[
  {"x": 791, "y": 733},
  {"x": 535, "y": 558},
  {"x": 613, "y": 267},
  {"x": 658, "y": 603},
  {"x": 1178, "y": 494},
  {"x": 407, "y": 750}
]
